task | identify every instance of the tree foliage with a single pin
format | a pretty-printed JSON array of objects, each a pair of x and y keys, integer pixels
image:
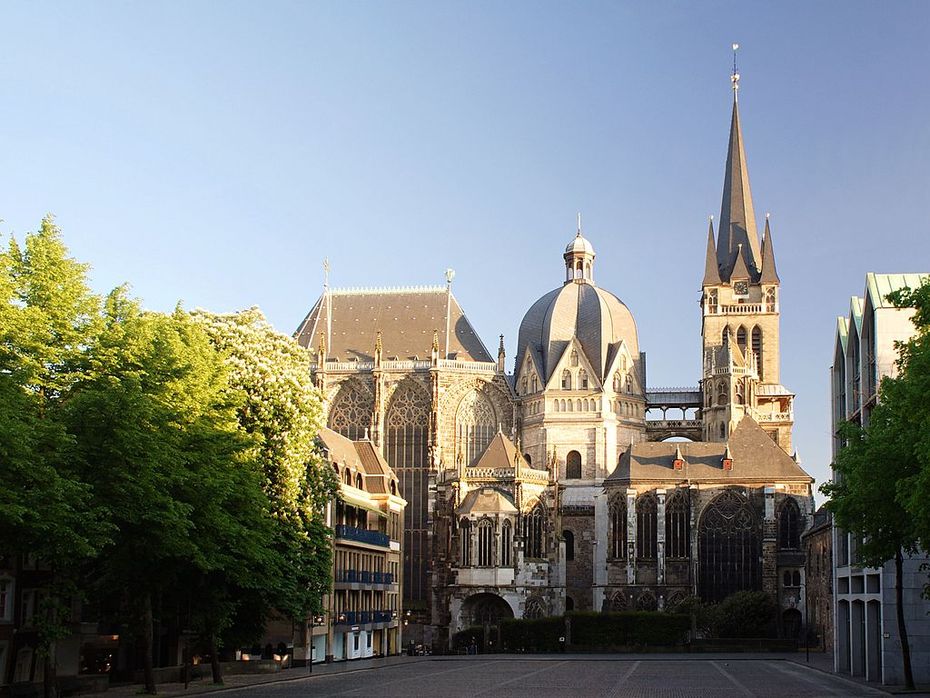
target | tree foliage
[{"x": 156, "y": 458}]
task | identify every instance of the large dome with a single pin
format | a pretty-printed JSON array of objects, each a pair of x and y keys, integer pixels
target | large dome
[{"x": 579, "y": 309}]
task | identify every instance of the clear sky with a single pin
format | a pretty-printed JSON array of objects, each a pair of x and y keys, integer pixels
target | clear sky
[{"x": 216, "y": 152}]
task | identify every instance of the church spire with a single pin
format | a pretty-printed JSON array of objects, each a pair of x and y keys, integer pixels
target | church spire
[
  {"x": 711, "y": 271},
  {"x": 769, "y": 272},
  {"x": 737, "y": 218}
]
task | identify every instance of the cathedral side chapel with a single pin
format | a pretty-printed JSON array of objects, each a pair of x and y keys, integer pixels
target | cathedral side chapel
[{"x": 556, "y": 487}]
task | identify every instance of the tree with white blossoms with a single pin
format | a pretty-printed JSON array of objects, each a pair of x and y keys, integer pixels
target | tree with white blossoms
[{"x": 282, "y": 411}]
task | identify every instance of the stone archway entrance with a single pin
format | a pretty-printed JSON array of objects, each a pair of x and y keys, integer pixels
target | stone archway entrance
[{"x": 485, "y": 610}]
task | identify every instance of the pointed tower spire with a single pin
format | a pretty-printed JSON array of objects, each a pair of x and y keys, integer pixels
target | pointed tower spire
[
  {"x": 711, "y": 270},
  {"x": 737, "y": 217},
  {"x": 769, "y": 272}
]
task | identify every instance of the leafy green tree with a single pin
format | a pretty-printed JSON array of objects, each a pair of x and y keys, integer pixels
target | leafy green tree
[
  {"x": 880, "y": 494},
  {"x": 48, "y": 317},
  {"x": 158, "y": 437},
  {"x": 282, "y": 411}
]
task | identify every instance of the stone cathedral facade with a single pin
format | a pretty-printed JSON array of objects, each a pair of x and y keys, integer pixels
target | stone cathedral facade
[{"x": 557, "y": 487}]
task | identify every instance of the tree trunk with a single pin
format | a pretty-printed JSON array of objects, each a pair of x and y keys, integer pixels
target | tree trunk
[
  {"x": 50, "y": 678},
  {"x": 902, "y": 629},
  {"x": 147, "y": 630},
  {"x": 215, "y": 662}
]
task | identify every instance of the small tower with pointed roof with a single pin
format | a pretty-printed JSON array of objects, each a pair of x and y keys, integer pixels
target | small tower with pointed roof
[{"x": 740, "y": 304}]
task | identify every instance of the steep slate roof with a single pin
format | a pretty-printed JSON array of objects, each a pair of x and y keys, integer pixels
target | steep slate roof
[
  {"x": 362, "y": 456},
  {"x": 737, "y": 217},
  {"x": 486, "y": 500},
  {"x": 406, "y": 318},
  {"x": 755, "y": 458},
  {"x": 500, "y": 453},
  {"x": 769, "y": 272},
  {"x": 711, "y": 269}
]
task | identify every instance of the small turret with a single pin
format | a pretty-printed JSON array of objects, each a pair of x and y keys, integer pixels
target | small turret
[
  {"x": 769, "y": 272},
  {"x": 501, "y": 355}
]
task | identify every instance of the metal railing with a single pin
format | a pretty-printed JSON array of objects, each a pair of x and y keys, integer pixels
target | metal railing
[{"x": 363, "y": 535}]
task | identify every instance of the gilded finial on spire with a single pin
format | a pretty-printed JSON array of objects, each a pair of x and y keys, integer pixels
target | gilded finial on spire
[{"x": 734, "y": 78}]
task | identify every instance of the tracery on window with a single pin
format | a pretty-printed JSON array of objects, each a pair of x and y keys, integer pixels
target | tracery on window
[
  {"x": 475, "y": 426},
  {"x": 646, "y": 520},
  {"x": 485, "y": 543},
  {"x": 729, "y": 547},
  {"x": 506, "y": 544},
  {"x": 582, "y": 380},
  {"x": 465, "y": 535},
  {"x": 406, "y": 451},
  {"x": 350, "y": 413},
  {"x": 789, "y": 525},
  {"x": 678, "y": 525},
  {"x": 534, "y": 532},
  {"x": 566, "y": 379},
  {"x": 757, "y": 349},
  {"x": 770, "y": 299},
  {"x": 617, "y": 542}
]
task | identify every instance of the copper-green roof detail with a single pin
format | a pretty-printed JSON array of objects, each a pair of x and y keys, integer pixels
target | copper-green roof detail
[
  {"x": 737, "y": 217},
  {"x": 878, "y": 286}
]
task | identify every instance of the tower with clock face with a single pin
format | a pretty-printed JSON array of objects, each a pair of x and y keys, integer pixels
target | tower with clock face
[{"x": 740, "y": 314}]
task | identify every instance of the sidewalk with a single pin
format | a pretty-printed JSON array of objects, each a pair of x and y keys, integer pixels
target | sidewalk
[{"x": 238, "y": 681}]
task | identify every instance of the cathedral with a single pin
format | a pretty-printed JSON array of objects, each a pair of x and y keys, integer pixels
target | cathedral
[{"x": 567, "y": 485}]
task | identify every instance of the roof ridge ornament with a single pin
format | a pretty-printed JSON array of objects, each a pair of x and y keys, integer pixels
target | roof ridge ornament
[{"x": 578, "y": 235}]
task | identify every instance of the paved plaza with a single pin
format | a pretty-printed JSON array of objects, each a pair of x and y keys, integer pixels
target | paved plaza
[{"x": 572, "y": 675}]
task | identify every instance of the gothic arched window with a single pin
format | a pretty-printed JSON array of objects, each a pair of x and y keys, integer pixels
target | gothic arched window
[
  {"x": 729, "y": 547},
  {"x": 566, "y": 380},
  {"x": 712, "y": 303},
  {"x": 350, "y": 413},
  {"x": 358, "y": 482},
  {"x": 789, "y": 525},
  {"x": 533, "y": 532},
  {"x": 573, "y": 359},
  {"x": 725, "y": 336},
  {"x": 465, "y": 535},
  {"x": 678, "y": 525},
  {"x": 646, "y": 519},
  {"x": 757, "y": 349},
  {"x": 617, "y": 382},
  {"x": 741, "y": 339},
  {"x": 475, "y": 426},
  {"x": 617, "y": 511},
  {"x": 739, "y": 398},
  {"x": 629, "y": 383},
  {"x": 582, "y": 380},
  {"x": 722, "y": 393},
  {"x": 405, "y": 449},
  {"x": 569, "y": 538},
  {"x": 485, "y": 543},
  {"x": 573, "y": 465},
  {"x": 618, "y": 602},
  {"x": 770, "y": 300},
  {"x": 506, "y": 544}
]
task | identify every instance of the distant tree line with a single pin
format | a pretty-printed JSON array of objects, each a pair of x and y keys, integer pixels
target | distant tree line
[
  {"x": 882, "y": 492},
  {"x": 151, "y": 456}
]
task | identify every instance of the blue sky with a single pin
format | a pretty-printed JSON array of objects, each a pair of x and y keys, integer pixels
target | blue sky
[{"x": 216, "y": 152}]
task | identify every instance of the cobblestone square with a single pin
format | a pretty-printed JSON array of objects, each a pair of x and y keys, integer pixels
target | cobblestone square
[{"x": 575, "y": 676}]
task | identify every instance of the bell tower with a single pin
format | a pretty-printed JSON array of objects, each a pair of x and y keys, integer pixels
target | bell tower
[{"x": 740, "y": 311}]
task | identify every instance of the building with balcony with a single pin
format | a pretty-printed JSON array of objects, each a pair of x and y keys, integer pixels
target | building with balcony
[
  {"x": 362, "y": 613},
  {"x": 555, "y": 487},
  {"x": 866, "y": 639}
]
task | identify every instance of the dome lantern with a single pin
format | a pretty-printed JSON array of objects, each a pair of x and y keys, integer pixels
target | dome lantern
[{"x": 579, "y": 259}]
